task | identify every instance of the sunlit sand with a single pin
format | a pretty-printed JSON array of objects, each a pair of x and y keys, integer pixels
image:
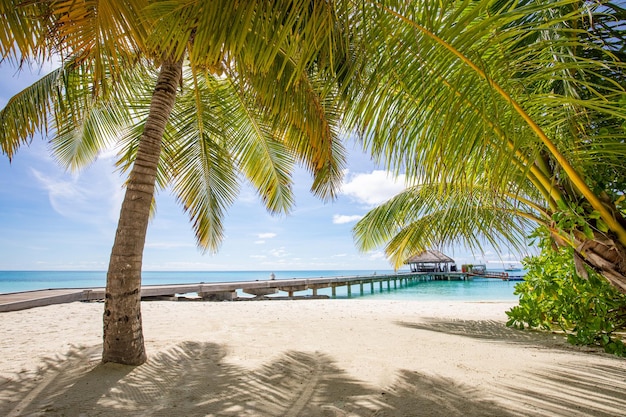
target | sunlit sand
[{"x": 304, "y": 358}]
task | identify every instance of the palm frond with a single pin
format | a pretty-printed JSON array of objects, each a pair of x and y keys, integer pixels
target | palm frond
[
  {"x": 29, "y": 111},
  {"x": 104, "y": 35},
  {"x": 23, "y": 30},
  {"x": 450, "y": 97},
  {"x": 206, "y": 183},
  {"x": 257, "y": 146},
  {"x": 436, "y": 216}
]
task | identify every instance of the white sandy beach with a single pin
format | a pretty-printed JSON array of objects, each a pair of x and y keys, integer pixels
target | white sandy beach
[{"x": 303, "y": 358}]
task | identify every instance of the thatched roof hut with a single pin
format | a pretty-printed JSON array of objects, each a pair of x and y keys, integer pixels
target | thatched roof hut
[{"x": 431, "y": 261}]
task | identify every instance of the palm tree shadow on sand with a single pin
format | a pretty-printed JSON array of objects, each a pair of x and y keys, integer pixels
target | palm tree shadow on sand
[
  {"x": 193, "y": 379},
  {"x": 569, "y": 388}
]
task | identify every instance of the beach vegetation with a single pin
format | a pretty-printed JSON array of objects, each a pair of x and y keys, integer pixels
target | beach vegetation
[
  {"x": 554, "y": 297},
  {"x": 504, "y": 116},
  {"x": 195, "y": 97}
]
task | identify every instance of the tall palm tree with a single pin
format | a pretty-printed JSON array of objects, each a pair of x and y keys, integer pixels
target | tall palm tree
[
  {"x": 504, "y": 115},
  {"x": 240, "y": 88}
]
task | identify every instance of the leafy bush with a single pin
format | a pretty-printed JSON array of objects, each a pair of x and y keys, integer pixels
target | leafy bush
[{"x": 553, "y": 295}]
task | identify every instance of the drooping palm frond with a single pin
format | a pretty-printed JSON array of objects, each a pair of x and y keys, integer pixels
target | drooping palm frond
[
  {"x": 221, "y": 30},
  {"x": 107, "y": 36},
  {"x": 283, "y": 62},
  {"x": 87, "y": 124},
  {"x": 220, "y": 129},
  {"x": 216, "y": 135},
  {"x": 503, "y": 92},
  {"x": 29, "y": 111},
  {"x": 307, "y": 115},
  {"x": 63, "y": 106},
  {"x": 204, "y": 174},
  {"x": 446, "y": 215},
  {"x": 23, "y": 31},
  {"x": 423, "y": 109}
]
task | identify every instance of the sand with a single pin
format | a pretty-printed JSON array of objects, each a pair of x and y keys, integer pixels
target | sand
[{"x": 304, "y": 358}]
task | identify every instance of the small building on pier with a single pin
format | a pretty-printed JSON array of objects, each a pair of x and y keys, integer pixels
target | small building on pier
[{"x": 431, "y": 261}]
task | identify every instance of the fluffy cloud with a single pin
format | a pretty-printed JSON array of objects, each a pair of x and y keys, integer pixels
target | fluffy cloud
[
  {"x": 373, "y": 188},
  {"x": 341, "y": 218}
]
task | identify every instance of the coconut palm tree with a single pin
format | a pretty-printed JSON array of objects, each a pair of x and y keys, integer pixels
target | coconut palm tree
[
  {"x": 504, "y": 115},
  {"x": 238, "y": 89}
]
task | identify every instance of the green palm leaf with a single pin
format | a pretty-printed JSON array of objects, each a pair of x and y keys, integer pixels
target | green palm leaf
[
  {"x": 438, "y": 215},
  {"x": 509, "y": 94}
]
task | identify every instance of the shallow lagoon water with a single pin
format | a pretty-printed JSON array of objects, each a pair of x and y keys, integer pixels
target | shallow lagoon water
[{"x": 477, "y": 289}]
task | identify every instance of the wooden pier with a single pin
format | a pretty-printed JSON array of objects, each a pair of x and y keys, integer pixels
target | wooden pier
[{"x": 228, "y": 291}]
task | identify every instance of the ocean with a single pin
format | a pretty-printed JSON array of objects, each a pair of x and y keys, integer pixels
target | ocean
[{"x": 477, "y": 289}]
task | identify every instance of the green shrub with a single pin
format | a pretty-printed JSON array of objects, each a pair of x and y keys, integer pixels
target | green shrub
[{"x": 554, "y": 296}]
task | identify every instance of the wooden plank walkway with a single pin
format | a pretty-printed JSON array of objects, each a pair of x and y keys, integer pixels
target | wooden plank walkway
[
  {"x": 209, "y": 291},
  {"x": 219, "y": 291}
]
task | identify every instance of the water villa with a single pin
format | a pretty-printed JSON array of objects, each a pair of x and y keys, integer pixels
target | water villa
[{"x": 431, "y": 261}]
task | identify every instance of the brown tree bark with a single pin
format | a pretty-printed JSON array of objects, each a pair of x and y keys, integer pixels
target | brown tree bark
[
  {"x": 123, "y": 333},
  {"x": 606, "y": 256}
]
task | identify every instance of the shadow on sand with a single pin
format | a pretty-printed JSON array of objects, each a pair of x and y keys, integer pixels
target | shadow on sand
[
  {"x": 195, "y": 379},
  {"x": 560, "y": 389}
]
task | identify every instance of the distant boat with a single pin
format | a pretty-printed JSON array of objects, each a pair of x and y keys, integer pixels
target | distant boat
[{"x": 512, "y": 267}]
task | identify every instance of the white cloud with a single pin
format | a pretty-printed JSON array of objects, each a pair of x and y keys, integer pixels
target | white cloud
[
  {"x": 342, "y": 219},
  {"x": 259, "y": 242},
  {"x": 266, "y": 235},
  {"x": 373, "y": 188}
]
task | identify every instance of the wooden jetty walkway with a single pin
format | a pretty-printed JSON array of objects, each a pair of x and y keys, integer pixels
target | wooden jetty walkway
[{"x": 222, "y": 291}]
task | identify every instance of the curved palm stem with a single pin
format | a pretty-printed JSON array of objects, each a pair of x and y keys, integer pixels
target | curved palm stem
[
  {"x": 560, "y": 159},
  {"x": 123, "y": 336},
  {"x": 537, "y": 177},
  {"x": 532, "y": 205}
]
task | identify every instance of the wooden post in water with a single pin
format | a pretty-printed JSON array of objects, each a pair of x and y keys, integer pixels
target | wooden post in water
[
  {"x": 334, "y": 290},
  {"x": 349, "y": 290},
  {"x": 371, "y": 287}
]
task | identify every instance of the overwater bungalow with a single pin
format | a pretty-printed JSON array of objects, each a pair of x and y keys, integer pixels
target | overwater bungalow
[{"x": 431, "y": 261}]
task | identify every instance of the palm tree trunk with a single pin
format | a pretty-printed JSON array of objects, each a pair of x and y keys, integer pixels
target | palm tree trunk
[
  {"x": 123, "y": 333},
  {"x": 607, "y": 256}
]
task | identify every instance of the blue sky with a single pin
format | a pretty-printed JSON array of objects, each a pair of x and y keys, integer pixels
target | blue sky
[{"x": 51, "y": 219}]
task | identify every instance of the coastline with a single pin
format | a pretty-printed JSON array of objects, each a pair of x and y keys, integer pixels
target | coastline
[{"x": 348, "y": 357}]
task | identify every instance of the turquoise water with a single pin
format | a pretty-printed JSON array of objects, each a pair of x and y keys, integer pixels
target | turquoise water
[{"x": 478, "y": 289}]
